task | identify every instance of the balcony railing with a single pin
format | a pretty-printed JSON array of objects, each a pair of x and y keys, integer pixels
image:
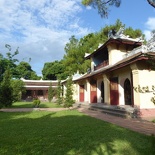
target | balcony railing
[{"x": 103, "y": 64}]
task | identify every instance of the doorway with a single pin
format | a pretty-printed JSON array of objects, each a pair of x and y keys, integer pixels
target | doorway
[
  {"x": 102, "y": 92},
  {"x": 127, "y": 92}
]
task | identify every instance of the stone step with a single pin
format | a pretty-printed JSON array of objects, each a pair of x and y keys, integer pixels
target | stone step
[{"x": 115, "y": 111}]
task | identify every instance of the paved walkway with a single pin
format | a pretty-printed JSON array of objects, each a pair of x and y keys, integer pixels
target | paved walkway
[{"x": 137, "y": 125}]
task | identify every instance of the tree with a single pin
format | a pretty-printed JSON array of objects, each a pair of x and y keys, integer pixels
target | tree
[
  {"x": 69, "y": 94},
  {"x": 8, "y": 61},
  {"x": 127, "y": 31},
  {"x": 74, "y": 58},
  {"x": 24, "y": 70},
  {"x": 54, "y": 70},
  {"x": 6, "y": 90},
  {"x": 152, "y": 3},
  {"x": 59, "y": 93},
  {"x": 50, "y": 93},
  {"x": 103, "y": 5},
  {"x": 18, "y": 89}
]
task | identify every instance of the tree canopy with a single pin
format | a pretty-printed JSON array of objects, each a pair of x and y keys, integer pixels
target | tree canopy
[
  {"x": 17, "y": 69},
  {"x": 24, "y": 70},
  {"x": 103, "y": 5},
  {"x": 54, "y": 70}
]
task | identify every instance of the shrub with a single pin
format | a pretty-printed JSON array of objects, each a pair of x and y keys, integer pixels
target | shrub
[{"x": 36, "y": 102}]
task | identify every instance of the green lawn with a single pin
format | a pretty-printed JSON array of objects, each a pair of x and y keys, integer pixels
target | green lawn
[
  {"x": 30, "y": 105},
  {"x": 67, "y": 133}
]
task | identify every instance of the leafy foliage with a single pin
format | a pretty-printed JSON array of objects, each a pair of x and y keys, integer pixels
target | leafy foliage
[
  {"x": 18, "y": 89},
  {"x": 69, "y": 94},
  {"x": 36, "y": 102},
  {"x": 6, "y": 90},
  {"x": 59, "y": 93},
  {"x": 54, "y": 70},
  {"x": 103, "y": 5},
  {"x": 10, "y": 72},
  {"x": 8, "y": 61},
  {"x": 25, "y": 71},
  {"x": 17, "y": 69},
  {"x": 50, "y": 93}
]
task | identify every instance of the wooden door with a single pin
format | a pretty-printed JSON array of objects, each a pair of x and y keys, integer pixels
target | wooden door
[
  {"x": 93, "y": 90},
  {"x": 114, "y": 94},
  {"x": 81, "y": 93}
]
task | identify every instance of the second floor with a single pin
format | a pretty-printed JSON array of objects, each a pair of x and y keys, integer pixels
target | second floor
[{"x": 114, "y": 50}]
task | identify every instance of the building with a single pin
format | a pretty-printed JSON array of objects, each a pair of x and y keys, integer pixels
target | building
[
  {"x": 38, "y": 88},
  {"x": 121, "y": 74}
]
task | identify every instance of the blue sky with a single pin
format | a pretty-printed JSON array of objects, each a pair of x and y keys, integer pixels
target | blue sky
[{"x": 42, "y": 28}]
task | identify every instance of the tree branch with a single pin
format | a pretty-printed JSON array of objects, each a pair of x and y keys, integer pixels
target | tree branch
[{"x": 151, "y": 2}]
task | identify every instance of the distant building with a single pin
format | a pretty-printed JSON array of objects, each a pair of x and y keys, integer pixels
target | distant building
[{"x": 37, "y": 88}]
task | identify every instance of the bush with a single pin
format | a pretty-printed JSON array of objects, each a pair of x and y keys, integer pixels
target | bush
[{"x": 36, "y": 103}]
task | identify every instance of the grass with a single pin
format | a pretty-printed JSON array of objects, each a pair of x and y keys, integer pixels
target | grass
[
  {"x": 67, "y": 133},
  {"x": 30, "y": 105}
]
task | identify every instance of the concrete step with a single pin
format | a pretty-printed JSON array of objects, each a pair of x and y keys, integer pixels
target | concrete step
[{"x": 116, "y": 111}]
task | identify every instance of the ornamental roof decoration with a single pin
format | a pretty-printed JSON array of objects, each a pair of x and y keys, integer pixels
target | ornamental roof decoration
[
  {"x": 151, "y": 43},
  {"x": 119, "y": 35}
]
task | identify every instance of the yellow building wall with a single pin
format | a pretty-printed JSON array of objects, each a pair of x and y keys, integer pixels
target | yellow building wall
[
  {"x": 115, "y": 53},
  {"x": 143, "y": 80},
  {"x": 146, "y": 79}
]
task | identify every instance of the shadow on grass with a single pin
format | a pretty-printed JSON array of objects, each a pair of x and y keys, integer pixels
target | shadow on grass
[
  {"x": 31, "y": 105},
  {"x": 67, "y": 133}
]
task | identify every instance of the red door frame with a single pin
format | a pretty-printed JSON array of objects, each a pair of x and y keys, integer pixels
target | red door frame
[
  {"x": 114, "y": 93},
  {"x": 81, "y": 93},
  {"x": 93, "y": 91}
]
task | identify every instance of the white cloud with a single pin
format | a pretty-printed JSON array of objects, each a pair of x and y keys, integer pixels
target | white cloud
[
  {"x": 150, "y": 25},
  {"x": 40, "y": 28},
  {"x": 147, "y": 34}
]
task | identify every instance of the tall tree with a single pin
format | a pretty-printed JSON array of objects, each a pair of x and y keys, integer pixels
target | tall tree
[
  {"x": 6, "y": 90},
  {"x": 50, "y": 93},
  {"x": 75, "y": 51},
  {"x": 18, "y": 89},
  {"x": 54, "y": 70},
  {"x": 103, "y": 5},
  {"x": 24, "y": 70},
  {"x": 8, "y": 61},
  {"x": 68, "y": 102},
  {"x": 59, "y": 93}
]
